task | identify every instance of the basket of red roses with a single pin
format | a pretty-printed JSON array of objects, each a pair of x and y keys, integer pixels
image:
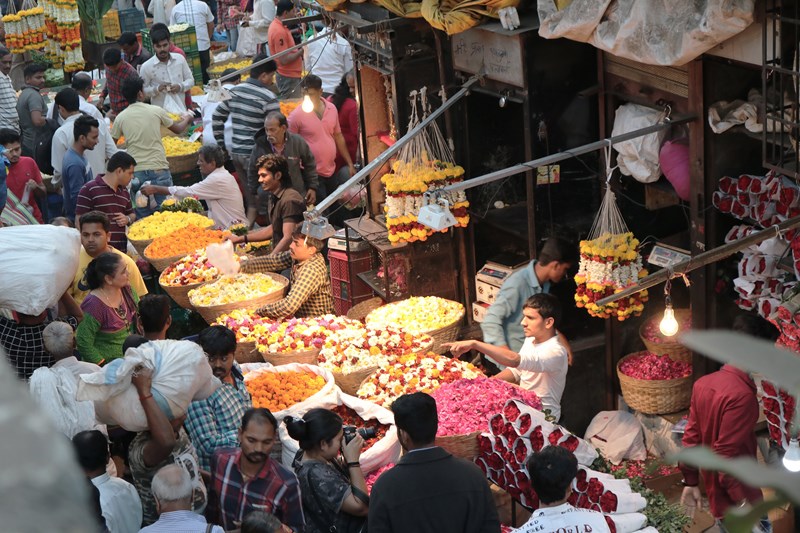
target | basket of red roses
[{"x": 655, "y": 384}]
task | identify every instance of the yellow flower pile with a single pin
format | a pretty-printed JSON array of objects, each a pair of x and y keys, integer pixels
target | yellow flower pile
[
  {"x": 216, "y": 70},
  {"x": 162, "y": 223},
  {"x": 175, "y": 146},
  {"x": 416, "y": 315},
  {"x": 230, "y": 289}
]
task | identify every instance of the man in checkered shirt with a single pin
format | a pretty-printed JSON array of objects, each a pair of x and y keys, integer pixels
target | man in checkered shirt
[
  {"x": 310, "y": 289},
  {"x": 22, "y": 340}
]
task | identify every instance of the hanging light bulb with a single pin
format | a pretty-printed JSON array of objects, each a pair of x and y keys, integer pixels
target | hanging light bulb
[
  {"x": 308, "y": 105},
  {"x": 668, "y": 326},
  {"x": 791, "y": 459}
]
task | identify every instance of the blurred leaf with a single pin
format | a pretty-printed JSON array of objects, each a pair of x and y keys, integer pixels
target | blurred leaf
[
  {"x": 781, "y": 367},
  {"x": 785, "y": 483},
  {"x": 742, "y": 520}
]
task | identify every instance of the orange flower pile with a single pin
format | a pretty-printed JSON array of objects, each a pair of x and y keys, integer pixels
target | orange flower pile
[
  {"x": 287, "y": 106},
  {"x": 182, "y": 242},
  {"x": 277, "y": 391}
]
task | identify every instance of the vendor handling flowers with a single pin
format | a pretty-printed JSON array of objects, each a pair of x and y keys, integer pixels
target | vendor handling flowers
[{"x": 310, "y": 289}]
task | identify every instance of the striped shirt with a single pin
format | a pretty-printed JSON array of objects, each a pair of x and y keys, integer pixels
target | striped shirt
[
  {"x": 8, "y": 104},
  {"x": 181, "y": 522},
  {"x": 249, "y": 105},
  {"x": 96, "y": 195}
]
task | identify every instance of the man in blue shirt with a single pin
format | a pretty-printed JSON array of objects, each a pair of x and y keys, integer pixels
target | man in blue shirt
[
  {"x": 75, "y": 170},
  {"x": 502, "y": 325}
]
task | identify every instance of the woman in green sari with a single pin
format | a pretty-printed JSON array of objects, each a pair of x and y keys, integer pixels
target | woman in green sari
[{"x": 110, "y": 310}]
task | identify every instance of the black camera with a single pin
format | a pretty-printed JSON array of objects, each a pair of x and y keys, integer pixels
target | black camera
[{"x": 350, "y": 432}]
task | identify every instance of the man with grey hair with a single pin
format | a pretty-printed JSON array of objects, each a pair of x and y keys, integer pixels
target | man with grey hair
[
  {"x": 59, "y": 341},
  {"x": 8, "y": 96},
  {"x": 219, "y": 188},
  {"x": 172, "y": 490}
]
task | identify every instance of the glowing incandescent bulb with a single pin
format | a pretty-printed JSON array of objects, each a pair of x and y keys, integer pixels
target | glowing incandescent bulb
[
  {"x": 307, "y": 105},
  {"x": 791, "y": 459},
  {"x": 668, "y": 325}
]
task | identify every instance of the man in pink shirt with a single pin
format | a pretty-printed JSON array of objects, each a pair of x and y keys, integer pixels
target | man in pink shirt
[{"x": 321, "y": 131}]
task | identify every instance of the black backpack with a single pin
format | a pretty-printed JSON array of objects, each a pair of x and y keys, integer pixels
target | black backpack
[{"x": 43, "y": 145}]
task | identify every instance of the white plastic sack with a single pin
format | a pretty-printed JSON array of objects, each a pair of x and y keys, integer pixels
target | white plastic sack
[
  {"x": 55, "y": 391},
  {"x": 175, "y": 103},
  {"x": 655, "y": 32},
  {"x": 384, "y": 452},
  {"x": 39, "y": 265},
  {"x": 181, "y": 374},
  {"x": 618, "y": 435},
  {"x": 325, "y": 396},
  {"x": 222, "y": 256},
  {"x": 638, "y": 157},
  {"x": 248, "y": 41}
]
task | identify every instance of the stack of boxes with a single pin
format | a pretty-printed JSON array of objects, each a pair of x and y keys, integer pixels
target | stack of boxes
[
  {"x": 348, "y": 289},
  {"x": 488, "y": 281}
]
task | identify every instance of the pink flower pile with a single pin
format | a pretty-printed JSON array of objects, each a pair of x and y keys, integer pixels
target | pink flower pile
[
  {"x": 641, "y": 469},
  {"x": 649, "y": 366},
  {"x": 466, "y": 405},
  {"x": 373, "y": 476},
  {"x": 519, "y": 430},
  {"x": 779, "y": 409}
]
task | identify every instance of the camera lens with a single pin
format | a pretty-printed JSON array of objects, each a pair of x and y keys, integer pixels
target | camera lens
[{"x": 367, "y": 433}]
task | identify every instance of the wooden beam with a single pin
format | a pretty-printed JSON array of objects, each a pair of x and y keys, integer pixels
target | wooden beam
[{"x": 701, "y": 260}]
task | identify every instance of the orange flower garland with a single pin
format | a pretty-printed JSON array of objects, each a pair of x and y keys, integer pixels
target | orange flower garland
[
  {"x": 277, "y": 391},
  {"x": 183, "y": 241}
]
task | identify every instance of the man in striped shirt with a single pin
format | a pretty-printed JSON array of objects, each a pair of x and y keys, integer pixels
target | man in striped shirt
[
  {"x": 249, "y": 105},
  {"x": 108, "y": 193},
  {"x": 8, "y": 96}
]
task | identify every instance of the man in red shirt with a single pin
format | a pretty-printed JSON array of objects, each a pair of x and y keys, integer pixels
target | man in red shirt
[
  {"x": 23, "y": 174},
  {"x": 722, "y": 416},
  {"x": 290, "y": 66},
  {"x": 117, "y": 73}
]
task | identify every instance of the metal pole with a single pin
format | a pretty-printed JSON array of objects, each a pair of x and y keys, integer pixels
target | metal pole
[
  {"x": 561, "y": 156},
  {"x": 389, "y": 152},
  {"x": 702, "y": 259}
]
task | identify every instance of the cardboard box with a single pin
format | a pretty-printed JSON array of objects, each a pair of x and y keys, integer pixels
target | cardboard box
[
  {"x": 479, "y": 310},
  {"x": 485, "y": 292}
]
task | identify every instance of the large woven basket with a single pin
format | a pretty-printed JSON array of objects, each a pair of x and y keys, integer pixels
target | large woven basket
[
  {"x": 670, "y": 346},
  {"x": 308, "y": 357},
  {"x": 163, "y": 263},
  {"x": 464, "y": 446},
  {"x": 445, "y": 334},
  {"x": 179, "y": 164},
  {"x": 246, "y": 352},
  {"x": 655, "y": 397},
  {"x": 350, "y": 383},
  {"x": 180, "y": 293},
  {"x": 361, "y": 310},
  {"x": 140, "y": 245},
  {"x": 212, "y": 312}
]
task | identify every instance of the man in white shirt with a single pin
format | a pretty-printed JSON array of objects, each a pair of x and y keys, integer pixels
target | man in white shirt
[
  {"x": 166, "y": 76},
  {"x": 67, "y": 107},
  {"x": 82, "y": 83},
  {"x": 329, "y": 59},
  {"x": 552, "y": 471},
  {"x": 119, "y": 500},
  {"x": 198, "y": 14},
  {"x": 172, "y": 490},
  {"x": 208, "y": 109},
  {"x": 59, "y": 341},
  {"x": 542, "y": 362}
]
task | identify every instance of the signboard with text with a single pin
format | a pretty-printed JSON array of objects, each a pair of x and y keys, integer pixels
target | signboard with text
[{"x": 500, "y": 55}]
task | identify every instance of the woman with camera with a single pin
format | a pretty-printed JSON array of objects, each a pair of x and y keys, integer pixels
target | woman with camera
[{"x": 333, "y": 488}]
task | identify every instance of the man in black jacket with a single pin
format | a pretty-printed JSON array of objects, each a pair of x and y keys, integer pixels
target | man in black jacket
[
  {"x": 275, "y": 138},
  {"x": 429, "y": 491}
]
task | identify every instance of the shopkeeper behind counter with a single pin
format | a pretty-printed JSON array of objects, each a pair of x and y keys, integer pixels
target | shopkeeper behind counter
[{"x": 310, "y": 289}]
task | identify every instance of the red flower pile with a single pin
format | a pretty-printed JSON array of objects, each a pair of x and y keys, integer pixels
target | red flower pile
[
  {"x": 351, "y": 418},
  {"x": 779, "y": 408},
  {"x": 372, "y": 477},
  {"x": 649, "y": 366}
]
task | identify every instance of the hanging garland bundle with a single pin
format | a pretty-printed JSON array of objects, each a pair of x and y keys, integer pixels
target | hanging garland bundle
[
  {"x": 610, "y": 262},
  {"x": 63, "y": 26},
  {"x": 425, "y": 164},
  {"x": 25, "y": 28}
]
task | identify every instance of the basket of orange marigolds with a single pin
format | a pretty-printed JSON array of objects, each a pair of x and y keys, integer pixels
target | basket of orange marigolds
[
  {"x": 165, "y": 250},
  {"x": 189, "y": 272},
  {"x": 287, "y": 388},
  {"x": 142, "y": 232}
]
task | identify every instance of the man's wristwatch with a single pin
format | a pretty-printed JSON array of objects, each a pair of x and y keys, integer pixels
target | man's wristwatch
[{"x": 128, "y": 218}]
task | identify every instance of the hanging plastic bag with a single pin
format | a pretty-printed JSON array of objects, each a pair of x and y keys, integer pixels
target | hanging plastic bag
[
  {"x": 618, "y": 435},
  {"x": 247, "y": 44},
  {"x": 639, "y": 157},
  {"x": 175, "y": 103},
  {"x": 142, "y": 200}
]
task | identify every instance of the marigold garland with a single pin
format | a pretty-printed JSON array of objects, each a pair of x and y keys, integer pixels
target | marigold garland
[
  {"x": 608, "y": 265},
  {"x": 63, "y": 28}
]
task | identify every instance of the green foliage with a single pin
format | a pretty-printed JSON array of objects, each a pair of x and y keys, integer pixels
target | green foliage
[{"x": 187, "y": 205}]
